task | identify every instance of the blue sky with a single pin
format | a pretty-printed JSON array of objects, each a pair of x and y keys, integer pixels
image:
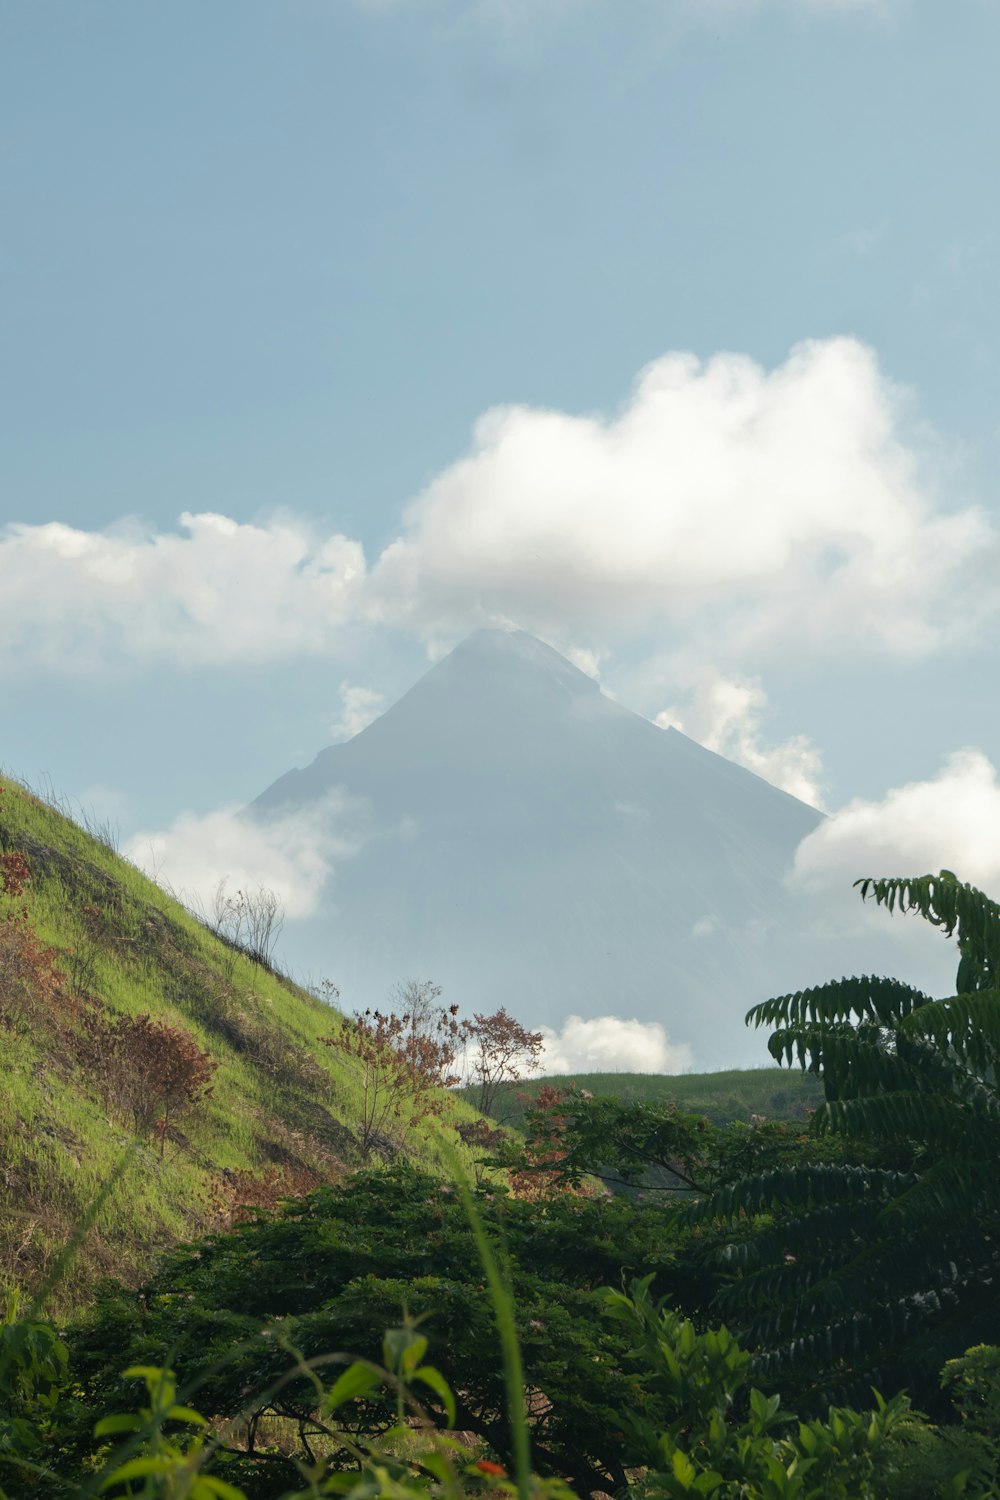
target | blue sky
[
  {"x": 286, "y": 253},
  {"x": 275, "y": 262}
]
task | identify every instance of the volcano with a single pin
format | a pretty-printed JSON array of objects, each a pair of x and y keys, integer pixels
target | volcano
[{"x": 524, "y": 840}]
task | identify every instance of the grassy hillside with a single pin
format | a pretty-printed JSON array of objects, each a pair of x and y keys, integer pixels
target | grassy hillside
[
  {"x": 86, "y": 940},
  {"x": 776, "y": 1093}
]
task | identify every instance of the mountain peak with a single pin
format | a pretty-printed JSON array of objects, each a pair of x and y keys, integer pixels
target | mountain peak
[
  {"x": 520, "y": 833},
  {"x": 499, "y": 656},
  {"x": 510, "y": 640}
]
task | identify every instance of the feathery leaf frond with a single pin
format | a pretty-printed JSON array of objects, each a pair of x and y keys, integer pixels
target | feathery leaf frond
[{"x": 849, "y": 1273}]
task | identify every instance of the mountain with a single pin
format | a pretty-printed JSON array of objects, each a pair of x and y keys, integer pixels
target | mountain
[{"x": 524, "y": 840}]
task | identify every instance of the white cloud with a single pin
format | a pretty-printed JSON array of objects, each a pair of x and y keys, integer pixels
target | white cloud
[
  {"x": 216, "y": 591},
  {"x": 587, "y": 660},
  {"x": 754, "y": 511},
  {"x": 775, "y": 510},
  {"x": 360, "y": 706},
  {"x": 724, "y": 715},
  {"x": 950, "y": 822},
  {"x": 611, "y": 1044},
  {"x": 293, "y": 856}
]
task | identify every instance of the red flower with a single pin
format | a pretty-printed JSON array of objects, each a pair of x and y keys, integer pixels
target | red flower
[{"x": 487, "y": 1466}]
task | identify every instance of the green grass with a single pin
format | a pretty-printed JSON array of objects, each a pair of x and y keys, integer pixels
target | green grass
[
  {"x": 282, "y": 1103},
  {"x": 776, "y": 1093}
]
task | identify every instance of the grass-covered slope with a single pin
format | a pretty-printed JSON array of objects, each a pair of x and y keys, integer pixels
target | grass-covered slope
[
  {"x": 86, "y": 940},
  {"x": 774, "y": 1093}
]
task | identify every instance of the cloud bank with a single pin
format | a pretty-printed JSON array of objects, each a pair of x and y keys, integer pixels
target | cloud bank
[
  {"x": 359, "y": 707},
  {"x": 951, "y": 821},
  {"x": 610, "y": 1044},
  {"x": 293, "y": 856},
  {"x": 724, "y": 714},
  {"x": 770, "y": 509},
  {"x": 763, "y": 513},
  {"x": 215, "y": 592}
]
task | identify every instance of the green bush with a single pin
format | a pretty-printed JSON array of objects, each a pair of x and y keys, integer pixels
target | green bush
[{"x": 697, "y": 1429}]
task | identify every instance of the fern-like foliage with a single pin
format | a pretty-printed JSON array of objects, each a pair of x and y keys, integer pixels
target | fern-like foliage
[
  {"x": 877, "y": 1272},
  {"x": 959, "y": 910}
]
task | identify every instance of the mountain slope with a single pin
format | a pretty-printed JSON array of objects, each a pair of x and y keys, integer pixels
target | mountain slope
[
  {"x": 527, "y": 841},
  {"x": 85, "y": 941}
]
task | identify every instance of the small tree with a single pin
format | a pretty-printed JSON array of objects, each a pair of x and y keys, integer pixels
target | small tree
[
  {"x": 536, "y": 1164},
  {"x": 418, "y": 1001},
  {"x": 502, "y": 1051},
  {"x": 406, "y": 1059}
]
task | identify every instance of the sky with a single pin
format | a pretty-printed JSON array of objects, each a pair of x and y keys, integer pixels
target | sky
[{"x": 665, "y": 329}]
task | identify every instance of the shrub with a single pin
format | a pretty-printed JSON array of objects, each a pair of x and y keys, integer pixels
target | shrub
[
  {"x": 405, "y": 1063},
  {"x": 149, "y": 1072},
  {"x": 249, "y": 922},
  {"x": 33, "y": 1371},
  {"x": 30, "y": 981}
]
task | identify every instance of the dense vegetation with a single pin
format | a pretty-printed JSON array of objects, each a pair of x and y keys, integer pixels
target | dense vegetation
[
  {"x": 140, "y": 1049},
  {"x": 614, "y": 1391},
  {"x": 734, "y": 1094},
  {"x": 875, "y": 1272},
  {"x": 396, "y": 1332}
]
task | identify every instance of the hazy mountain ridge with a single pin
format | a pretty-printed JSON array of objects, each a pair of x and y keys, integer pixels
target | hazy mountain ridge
[{"x": 531, "y": 842}]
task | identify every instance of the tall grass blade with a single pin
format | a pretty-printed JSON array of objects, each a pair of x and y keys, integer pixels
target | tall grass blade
[{"x": 503, "y": 1308}]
